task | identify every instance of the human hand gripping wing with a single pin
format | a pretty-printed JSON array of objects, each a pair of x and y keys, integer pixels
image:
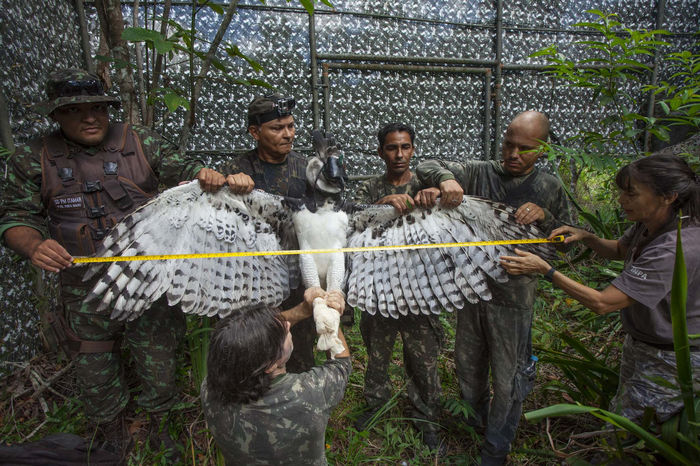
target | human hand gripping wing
[
  {"x": 426, "y": 281},
  {"x": 186, "y": 220}
]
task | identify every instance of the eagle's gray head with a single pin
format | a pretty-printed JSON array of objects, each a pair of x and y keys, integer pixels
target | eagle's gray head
[{"x": 325, "y": 170}]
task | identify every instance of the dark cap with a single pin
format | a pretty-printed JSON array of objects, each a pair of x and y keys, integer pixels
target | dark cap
[
  {"x": 73, "y": 86},
  {"x": 269, "y": 107}
]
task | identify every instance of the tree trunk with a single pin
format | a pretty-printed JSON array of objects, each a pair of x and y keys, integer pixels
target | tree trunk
[
  {"x": 112, "y": 26},
  {"x": 575, "y": 174},
  {"x": 190, "y": 116},
  {"x": 158, "y": 67},
  {"x": 139, "y": 63}
]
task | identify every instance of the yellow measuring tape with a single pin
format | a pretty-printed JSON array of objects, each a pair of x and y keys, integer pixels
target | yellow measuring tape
[{"x": 85, "y": 260}]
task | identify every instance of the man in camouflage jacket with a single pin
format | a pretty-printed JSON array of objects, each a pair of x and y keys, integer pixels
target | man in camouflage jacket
[
  {"x": 497, "y": 333},
  {"x": 421, "y": 334},
  {"x": 64, "y": 191},
  {"x": 275, "y": 168}
]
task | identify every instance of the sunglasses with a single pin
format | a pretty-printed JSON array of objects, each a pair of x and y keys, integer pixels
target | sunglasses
[{"x": 74, "y": 88}]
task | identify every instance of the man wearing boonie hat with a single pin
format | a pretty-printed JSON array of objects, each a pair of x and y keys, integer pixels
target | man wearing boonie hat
[
  {"x": 64, "y": 192},
  {"x": 275, "y": 168}
]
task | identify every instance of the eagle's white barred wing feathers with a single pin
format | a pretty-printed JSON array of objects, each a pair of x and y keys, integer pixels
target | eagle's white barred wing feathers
[
  {"x": 185, "y": 220},
  {"x": 425, "y": 281}
]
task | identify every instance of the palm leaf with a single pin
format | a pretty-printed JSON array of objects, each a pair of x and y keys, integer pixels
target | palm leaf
[
  {"x": 681, "y": 344},
  {"x": 674, "y": 456}
]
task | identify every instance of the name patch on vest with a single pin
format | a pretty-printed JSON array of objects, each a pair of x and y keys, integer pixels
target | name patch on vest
[{"x": 68, "y": 202}]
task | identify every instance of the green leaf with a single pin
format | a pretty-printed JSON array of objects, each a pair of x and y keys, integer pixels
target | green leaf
[
  {"x": 233, "y": 51},
  {"x": 133, "y": 34},
  {"x": 622, "y": 422},
  {"x": 681, "y": 344},
  {"x": 547, "y": 51},
  {"x": 308, "y": 5},
  {"x": 219, "y": 65},
  {"x": 173, "y": 101},
  {"x": 664, "y": 107},
  {"x": 260, "y": 82},
  {"x": 214, "y": 6},
  {"x": 161, "y": 44}
]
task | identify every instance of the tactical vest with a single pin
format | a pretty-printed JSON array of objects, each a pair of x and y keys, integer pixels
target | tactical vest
[
  {"x": 294, "y": 185},
  {"x": 86, "y": 195}
]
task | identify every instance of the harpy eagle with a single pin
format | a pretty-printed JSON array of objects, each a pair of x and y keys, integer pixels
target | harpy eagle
[{"x": 186, "y": 220}]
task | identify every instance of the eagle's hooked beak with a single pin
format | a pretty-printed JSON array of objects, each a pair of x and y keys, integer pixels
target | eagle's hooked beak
[{"x": 333, "y": 170}]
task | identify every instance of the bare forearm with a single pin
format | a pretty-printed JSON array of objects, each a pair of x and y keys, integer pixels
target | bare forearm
[
  {"x": 346, "y": 351},
  {"x": 23, "y": 240},
  {"x": 607, "y": 248},
  {"x": 46, "y": 254},
  {"x": 296, "y": 314},
  {"x": 601, "y": 302}
]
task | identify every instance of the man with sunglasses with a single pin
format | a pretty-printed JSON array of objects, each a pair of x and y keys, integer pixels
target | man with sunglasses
[
  {"x": 275, "y": 168},
  {"x": 64, "y": 191}
]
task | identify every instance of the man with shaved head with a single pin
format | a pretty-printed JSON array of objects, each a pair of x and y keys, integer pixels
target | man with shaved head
[{"x": 496, "y": 334}]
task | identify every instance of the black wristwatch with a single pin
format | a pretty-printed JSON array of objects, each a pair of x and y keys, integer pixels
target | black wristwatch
[{"x": 550, "y": 274}]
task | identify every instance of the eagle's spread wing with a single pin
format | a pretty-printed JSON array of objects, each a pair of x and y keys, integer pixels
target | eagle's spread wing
[
  {"x": 399, "y": 282},
  {"x": 186, "y": 220}
]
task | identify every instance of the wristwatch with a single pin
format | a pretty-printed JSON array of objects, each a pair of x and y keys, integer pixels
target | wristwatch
[{"x": 550, "y": 274}]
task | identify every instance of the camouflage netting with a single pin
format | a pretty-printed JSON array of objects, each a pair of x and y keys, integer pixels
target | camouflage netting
[{"x": 447, "y": 108}]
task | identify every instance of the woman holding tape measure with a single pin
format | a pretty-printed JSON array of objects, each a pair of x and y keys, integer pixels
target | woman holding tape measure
[{"x": 654, "y": 190}]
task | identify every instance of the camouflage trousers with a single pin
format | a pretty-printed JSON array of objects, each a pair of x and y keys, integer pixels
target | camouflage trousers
[
  {"x": 495, "y": 337},
  {"x": 152, "y": 341},
  {"x": 636, "y": 392},
  {"x": 422, "y": 338}
]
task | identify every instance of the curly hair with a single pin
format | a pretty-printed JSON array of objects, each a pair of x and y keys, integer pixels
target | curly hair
[
  {"x": 666, "y": 175},
  {"x": 395, "y": 127},
  {"x": 242, "y": 347}
]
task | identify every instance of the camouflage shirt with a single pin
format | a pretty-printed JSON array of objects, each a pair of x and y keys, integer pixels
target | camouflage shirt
[
  {"x": 22, "y": 190},
  {"x": 377, "y": 187},
  {"x": 287, "y": 425},
  {"x": 488, "y": 179},
  {"x": 283, "y": 179}
]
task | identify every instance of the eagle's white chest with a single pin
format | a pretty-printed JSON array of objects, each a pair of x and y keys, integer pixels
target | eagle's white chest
[{"x": 323, "y": 229}]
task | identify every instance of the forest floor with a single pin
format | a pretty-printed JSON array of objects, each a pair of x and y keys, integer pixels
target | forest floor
[{"x": 40, "y": 397}]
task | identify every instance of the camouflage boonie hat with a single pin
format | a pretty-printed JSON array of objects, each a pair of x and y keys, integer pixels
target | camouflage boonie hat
[
  {"x": 73, "y": 86},
  {"x": 269, "y": 107}
]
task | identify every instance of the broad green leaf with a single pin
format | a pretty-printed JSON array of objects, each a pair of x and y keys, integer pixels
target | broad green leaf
[
  {"x": 134, "y": 34},
  {"x": 163, "y": 46},
  {"x": 173, "y": 101},
  {"x": 308, "y": 5}
]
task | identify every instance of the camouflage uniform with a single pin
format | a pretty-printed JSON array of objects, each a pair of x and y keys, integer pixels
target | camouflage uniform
[
  {"x": 287, "y": 425},
  {"x": 421, "y": 335},
  {"x": 497, "y": 333},
  {"x": 153, "y": 338},
  {"x": 640, "y": 368},
  {"x": 284, "y": 179}
]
